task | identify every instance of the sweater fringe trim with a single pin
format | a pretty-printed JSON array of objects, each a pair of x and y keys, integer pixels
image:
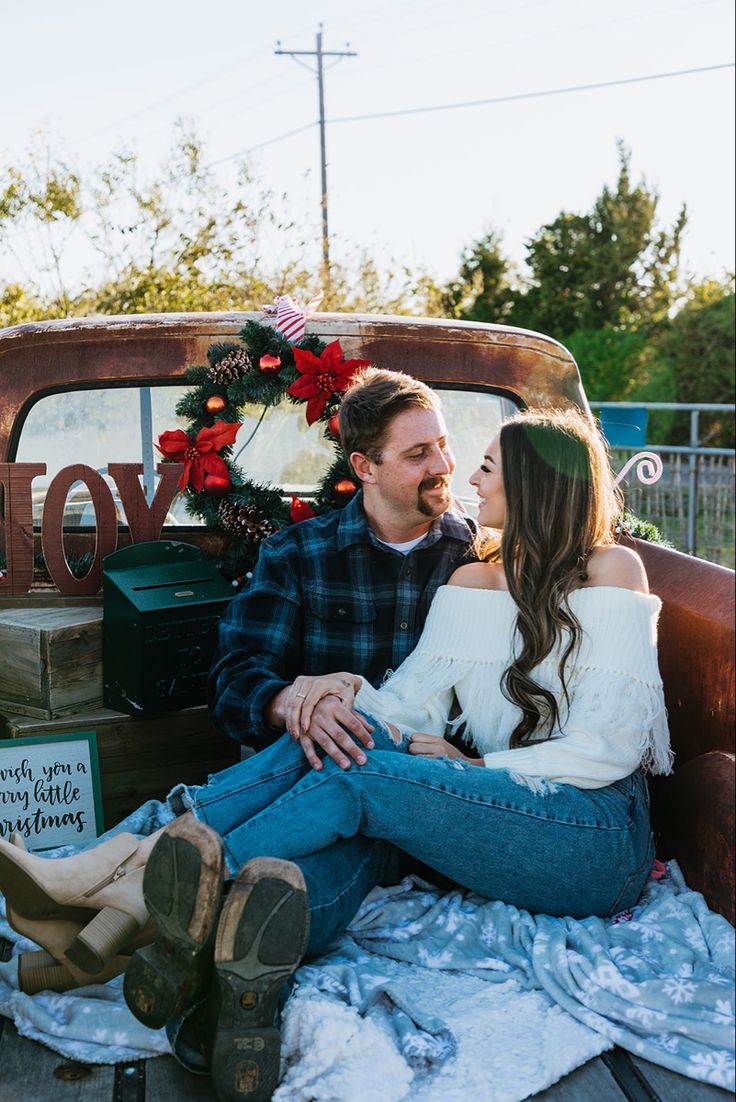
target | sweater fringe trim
[
  {"x": 433, "y": 663},
  {"x": 420, "y": 682}
]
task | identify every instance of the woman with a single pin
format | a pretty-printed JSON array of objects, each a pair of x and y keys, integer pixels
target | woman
[{"x": 548, "y": 646}]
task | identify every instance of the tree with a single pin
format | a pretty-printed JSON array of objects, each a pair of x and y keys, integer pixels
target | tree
[
  {"x": 611, "y": 268},
  {"x": 173, "y": 241},
  {"x": 18, "y": 305},
  {"x": 481, "y": 290},
  {"x": 609, "y": 360},
  {"x": 118, "y": 240},
  {"x": 697, "y": 346}
]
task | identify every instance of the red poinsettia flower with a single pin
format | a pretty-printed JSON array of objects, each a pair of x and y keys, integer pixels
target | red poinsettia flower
[
  {"x": 322, "y": 377},
  {"x": 199, "y": 456}
]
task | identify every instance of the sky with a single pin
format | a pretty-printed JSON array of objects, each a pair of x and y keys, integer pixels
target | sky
[{"x": 413, "y": 188}]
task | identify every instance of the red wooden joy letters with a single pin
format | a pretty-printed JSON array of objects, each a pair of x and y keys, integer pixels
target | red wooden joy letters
[{"x": 145, "y": 521}]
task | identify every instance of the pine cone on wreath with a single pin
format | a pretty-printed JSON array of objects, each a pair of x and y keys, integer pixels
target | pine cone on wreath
[
  {"x": 231, "y": 367},
  {"x": 244, "y": 521}
]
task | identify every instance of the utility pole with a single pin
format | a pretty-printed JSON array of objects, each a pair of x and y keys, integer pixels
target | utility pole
[{"x": 319, "y": 53}]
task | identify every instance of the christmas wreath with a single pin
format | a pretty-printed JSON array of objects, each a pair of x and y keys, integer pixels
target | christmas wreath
[{"x": 267, "y": 365}]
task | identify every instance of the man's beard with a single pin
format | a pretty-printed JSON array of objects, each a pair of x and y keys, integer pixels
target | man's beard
[{"x": 424, "y": 507}]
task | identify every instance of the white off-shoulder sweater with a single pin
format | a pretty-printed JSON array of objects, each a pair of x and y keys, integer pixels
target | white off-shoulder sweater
[{"x": 616, "y": 720}]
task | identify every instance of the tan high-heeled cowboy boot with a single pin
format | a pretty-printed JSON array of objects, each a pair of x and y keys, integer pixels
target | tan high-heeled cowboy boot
[
  {"x": 106, "y": 879},
  {"x": 46, "y": 969},
  {"x": 49, "y": 969},
  {"x": 40, "y": 971}
]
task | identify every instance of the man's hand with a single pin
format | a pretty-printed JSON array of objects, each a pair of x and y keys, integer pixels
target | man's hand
[
  {"x": 316, "y": 712},
  {"x": 329, "y": 719},
  {"x": 429, "y": 746}
]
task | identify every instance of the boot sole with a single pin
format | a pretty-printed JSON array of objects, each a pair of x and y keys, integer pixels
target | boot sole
[
  {"x": 182, "y": 886},
  {"x": 261, "y": 937}
]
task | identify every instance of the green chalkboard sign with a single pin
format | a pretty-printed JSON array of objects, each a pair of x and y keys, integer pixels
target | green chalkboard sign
[{"x": 50, "y": 789}]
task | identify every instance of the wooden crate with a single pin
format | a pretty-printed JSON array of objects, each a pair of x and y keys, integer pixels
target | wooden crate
[
  {"x": 140, "y": 759},
  {"x": 50, "y": 660}
]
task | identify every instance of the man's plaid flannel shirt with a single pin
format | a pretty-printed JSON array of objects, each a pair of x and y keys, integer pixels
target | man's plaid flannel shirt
[{"x": 326, "y": 595}]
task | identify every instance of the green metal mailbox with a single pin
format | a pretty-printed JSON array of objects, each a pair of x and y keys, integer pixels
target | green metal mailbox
[{"x": 161, "y": 606}]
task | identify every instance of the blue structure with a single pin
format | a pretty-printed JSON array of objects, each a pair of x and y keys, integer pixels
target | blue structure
[{"x": 625, "y": 427}]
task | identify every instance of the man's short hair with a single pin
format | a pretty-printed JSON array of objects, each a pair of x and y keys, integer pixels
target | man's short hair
[{"x": 371, "y": 404}]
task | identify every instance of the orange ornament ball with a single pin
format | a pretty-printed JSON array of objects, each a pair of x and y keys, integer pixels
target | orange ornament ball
[
  {"x": 215, "y": 404},
  {"x": 345, "y": 486}
]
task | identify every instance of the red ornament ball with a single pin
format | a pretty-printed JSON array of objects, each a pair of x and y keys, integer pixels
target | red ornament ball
[
  {"x": 300, "y": 510},
  {"x": 345, "y": 486},
  {"x": 269, "y": 365},
  {"x": 333, "y": 425},
  {"x": 217, "y": 485},
  {"x": 215, "y": 404}
]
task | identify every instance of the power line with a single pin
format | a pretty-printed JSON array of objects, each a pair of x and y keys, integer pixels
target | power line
[
  {"x": 172, "y": 95},
  {"x": 531, "y": 95},
  {"x": 120, "y": 200},
  {"x": 250, "y": 105},
  {"x": 413, "y": 58},
  {"x": 409, "y": 59},
  {"x": 452, "y": 106},
  {"x": 475, "y": 16},
  {"x": 381, "y": 15},
  {"x": 471, "y": 103},
  {"x": 262, "y": 145},
  {"x": 185, "y": 88}
]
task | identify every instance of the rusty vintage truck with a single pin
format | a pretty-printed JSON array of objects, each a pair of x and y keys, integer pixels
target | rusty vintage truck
[{"x": 96, "y": 391}]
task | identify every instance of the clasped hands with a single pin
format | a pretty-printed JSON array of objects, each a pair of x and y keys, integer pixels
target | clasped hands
[{"x": 318, "y": 713}]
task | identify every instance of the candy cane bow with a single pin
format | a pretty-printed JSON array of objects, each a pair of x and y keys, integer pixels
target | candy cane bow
[{"x": 291, "y": 320}]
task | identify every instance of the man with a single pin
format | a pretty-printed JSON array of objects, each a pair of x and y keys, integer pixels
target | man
[
  {"x": 347, "y": 591},
  {"x": 350, "y": 590}
]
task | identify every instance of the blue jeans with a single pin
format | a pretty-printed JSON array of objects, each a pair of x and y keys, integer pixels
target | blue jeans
[{"x": 550, "y": 849}]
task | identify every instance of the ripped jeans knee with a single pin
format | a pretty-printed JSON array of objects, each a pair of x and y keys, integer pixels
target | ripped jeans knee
[
  {"x": 389, "y": 736},
  {"x": 540, "y": 786}
]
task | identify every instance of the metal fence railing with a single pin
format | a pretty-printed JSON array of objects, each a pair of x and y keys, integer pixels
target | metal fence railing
[{"x": 693, "y": 502}]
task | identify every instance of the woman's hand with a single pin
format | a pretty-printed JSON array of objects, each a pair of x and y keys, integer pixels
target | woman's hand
[
  {"x": 429, "y": 746},
  {"x": 306, "y": 692}
]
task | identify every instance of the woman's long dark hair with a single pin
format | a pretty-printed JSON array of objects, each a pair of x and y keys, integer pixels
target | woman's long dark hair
[{"x": 560, "y": 504}]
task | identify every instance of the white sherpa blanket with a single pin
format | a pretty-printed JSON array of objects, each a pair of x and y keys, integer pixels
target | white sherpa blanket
[{"x": 510, "y": 1043}]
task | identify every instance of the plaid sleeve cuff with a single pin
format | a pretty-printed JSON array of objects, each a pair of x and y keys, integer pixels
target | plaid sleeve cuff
[
  {"x": 238, "y": 711},
  {"x": 261, "y": 733}
]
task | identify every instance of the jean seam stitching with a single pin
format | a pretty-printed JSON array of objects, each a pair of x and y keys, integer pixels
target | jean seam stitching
[
  {"x": 283, "y": 799},
  {"x": 631, "y": 879},
  {"x": 337, "y": 898},
  {"x": 211, "y": 801},
  {"x": 349, "y": 887}
]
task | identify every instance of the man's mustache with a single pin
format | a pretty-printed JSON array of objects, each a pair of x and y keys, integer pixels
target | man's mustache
[{"x": 434, "y": 483}]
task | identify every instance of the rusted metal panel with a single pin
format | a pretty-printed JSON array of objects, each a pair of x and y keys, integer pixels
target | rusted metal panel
[
  {"x": 696, "y": 648},
  {"x": 45, "y": 356},
  {"x": 693, "y": 810},
  {"x": 693, "y": 813}
]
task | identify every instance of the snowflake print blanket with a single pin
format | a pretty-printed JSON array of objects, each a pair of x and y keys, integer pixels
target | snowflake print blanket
[{"x": 444, "y": 995}]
